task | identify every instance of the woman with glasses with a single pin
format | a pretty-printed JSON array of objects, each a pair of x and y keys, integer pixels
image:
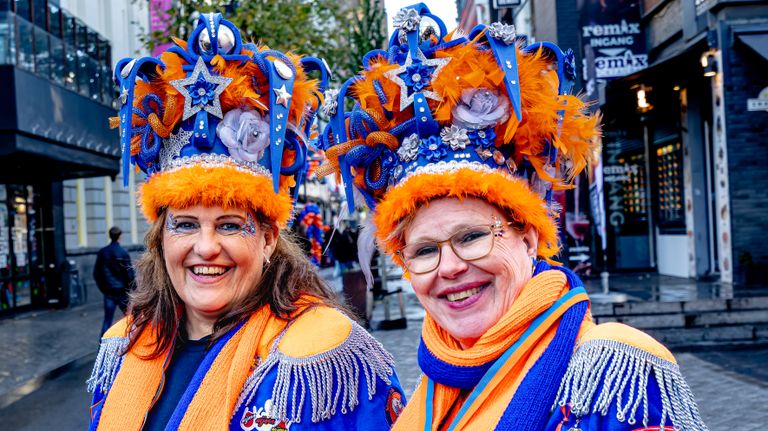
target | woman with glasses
[{"x": 456, "y": 143}]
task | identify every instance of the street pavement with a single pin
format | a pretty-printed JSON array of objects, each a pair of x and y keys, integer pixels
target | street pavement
[
  {"x": 47, "y": 355},
  {"x": 731, "y": 388}
]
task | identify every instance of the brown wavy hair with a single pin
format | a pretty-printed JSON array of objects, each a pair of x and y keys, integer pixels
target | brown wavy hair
[{"x": 155, "y": 304}]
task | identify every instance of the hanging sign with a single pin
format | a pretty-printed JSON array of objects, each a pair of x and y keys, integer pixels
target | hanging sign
[{"x": 611, "y": 31}]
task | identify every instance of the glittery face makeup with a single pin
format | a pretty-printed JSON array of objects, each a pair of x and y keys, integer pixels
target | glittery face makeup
[
  {"x": 249, "y": 227},
  {"x": 183, "y": 226},
  {"x": 214, "y": 257},
  {"x": 170, "y": 224}
]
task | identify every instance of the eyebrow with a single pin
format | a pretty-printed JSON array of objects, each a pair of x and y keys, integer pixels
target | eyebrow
[
  {"x": 456, "y": 229},
  {"x": 220, "y": 218}
]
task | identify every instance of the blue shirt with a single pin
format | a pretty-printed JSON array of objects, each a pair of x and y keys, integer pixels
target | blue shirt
[{"x": 187, "y": 357}]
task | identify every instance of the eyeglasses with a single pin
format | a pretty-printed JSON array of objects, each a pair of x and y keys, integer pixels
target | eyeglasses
[{"x": 468, "y": 244}]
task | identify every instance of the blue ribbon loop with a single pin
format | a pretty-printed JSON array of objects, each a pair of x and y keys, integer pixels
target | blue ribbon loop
[{"x": 278, "y": 120}]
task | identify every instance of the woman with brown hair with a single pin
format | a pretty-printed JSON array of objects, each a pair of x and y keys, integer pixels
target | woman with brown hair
[{"x": 230, "y": 326}]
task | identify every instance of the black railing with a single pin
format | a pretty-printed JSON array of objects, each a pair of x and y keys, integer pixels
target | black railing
[{"x": 68, "y": 54}]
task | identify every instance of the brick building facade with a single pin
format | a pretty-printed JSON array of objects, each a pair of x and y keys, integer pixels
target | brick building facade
[{"x": 706, "y": 59}]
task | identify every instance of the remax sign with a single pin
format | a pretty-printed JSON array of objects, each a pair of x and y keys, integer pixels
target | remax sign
[{"x": 611, "y": 31}]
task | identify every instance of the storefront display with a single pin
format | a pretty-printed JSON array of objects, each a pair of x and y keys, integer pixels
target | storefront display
[
  {"x": 21, "y": 280},
  {"x": 669, "y": 159}
]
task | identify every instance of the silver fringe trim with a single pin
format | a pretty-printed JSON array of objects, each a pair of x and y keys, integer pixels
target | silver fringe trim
[
  {"x": 107, "y": 363},
  {"x": 607, "y": 367},
  {"x": 359, "y": 353}
]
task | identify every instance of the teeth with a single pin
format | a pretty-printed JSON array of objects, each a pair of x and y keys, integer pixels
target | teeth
[
  {"x": 453, "y": 297},
  {"x": 208, "y": 270}
]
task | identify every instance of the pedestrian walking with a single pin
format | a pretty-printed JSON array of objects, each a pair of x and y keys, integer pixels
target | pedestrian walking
[
  {"x": 114, "y": 276},
  {"x": 230, "y": 327},
  {"x": 456, "y": 143}
]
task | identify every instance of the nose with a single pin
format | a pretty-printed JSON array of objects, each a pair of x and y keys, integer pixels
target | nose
[
  {"x": 450, "y": 265},
  {"x": 208, "y": 245}
]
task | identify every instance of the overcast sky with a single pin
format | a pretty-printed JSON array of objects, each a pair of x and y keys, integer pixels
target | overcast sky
[{"x": 444, "y": 9}]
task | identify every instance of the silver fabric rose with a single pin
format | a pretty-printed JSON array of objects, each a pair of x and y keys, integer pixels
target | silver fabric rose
[
  {"x": 245, "y": 133},
  {"x": 409, "y": 149},
  {"x": 330, "y": 104},
  {"x": 407, "y": 19},
  {"x": 480, "y": 108},
  {"x": 455, "y": 136},
  {"x": 502, "y": 32}
]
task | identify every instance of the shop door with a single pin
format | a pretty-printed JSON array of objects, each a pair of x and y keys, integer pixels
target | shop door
[
  {"x": 626, "y": 202},
  {"x": 21, "y": 279}
]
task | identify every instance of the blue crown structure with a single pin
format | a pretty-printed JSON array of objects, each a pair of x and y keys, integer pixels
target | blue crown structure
[
  {"x": 419, "y": 51},
  {"x": 222, "y": 100}
]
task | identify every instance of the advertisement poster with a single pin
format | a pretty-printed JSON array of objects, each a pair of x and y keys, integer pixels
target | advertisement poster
[
  {"x": 20, "y": 240},
  {"x": 4, "y": 237}
]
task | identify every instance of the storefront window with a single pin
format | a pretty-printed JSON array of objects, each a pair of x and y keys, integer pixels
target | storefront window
[
  {"x": 41, "y": 13},
  {"x": 70, "y": 67},
  {"x": 7, "y": 39},
  {"x": 5, "y": 241},
  {"x": 20, "y": 278},
  {"x": 94, "y": 79},
  {"x": 105, "y": 63},
  {"x": 57, "y": 60},
  {"x": 669, "y": 166},
  {"x": 42, "y": 53},
  {"x": 92, "y": 44},
  {"x": 67, "y": 27},
  {"x": 627, "y": 201},
  {"x": 54, "y": 19},
  {"x": 26, "y": 55},
  {"x": 23, "y": 10}
]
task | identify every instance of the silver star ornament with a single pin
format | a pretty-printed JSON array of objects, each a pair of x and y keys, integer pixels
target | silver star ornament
[
  {"x": 172, "y": 147},
  {"x": 201, "y": 71},
  {"x": 394, "y": 75},
  {"x": 283, "y": 96}
]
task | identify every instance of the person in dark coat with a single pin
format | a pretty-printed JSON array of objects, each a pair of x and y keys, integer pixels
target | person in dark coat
[{"x": 114, "y": 276}]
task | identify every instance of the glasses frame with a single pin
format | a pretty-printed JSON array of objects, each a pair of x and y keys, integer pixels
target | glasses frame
[{"x": 497, "y": 229}]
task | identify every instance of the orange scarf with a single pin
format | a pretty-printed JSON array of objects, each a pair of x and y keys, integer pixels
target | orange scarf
[
  {"x": 139, "y": 382},
  {"x": 484, "y": 413}
]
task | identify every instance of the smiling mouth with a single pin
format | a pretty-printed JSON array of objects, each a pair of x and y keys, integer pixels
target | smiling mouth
[
  {"x": 209, "y": 271},
  {"x": 461, "y": 296}
]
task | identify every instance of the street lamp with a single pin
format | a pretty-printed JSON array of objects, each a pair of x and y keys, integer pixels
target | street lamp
[
  {"x": 709, "y": 63},
  {"x": 642, "y": 99}
]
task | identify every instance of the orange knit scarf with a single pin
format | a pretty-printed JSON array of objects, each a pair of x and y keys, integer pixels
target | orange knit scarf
[
  {"x": 139, "y": 382},
  {"x": 536, "y": 297}
]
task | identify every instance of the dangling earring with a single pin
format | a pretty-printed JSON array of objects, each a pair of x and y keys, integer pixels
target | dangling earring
[
  {"x": 533, "y": 265},
  {"x": 266, "y": 260}
]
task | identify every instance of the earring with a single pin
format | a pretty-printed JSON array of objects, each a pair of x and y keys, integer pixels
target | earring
[
  {"x": 266, "y": 260},
  {"x": 533, "y": 264}
]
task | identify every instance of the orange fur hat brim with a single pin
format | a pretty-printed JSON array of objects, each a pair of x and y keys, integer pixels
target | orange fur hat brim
[
  {"x": 511, "y": 195},
  {"x": 211, "y": 186}
]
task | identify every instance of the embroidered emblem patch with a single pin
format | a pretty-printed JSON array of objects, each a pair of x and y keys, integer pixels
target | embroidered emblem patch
[
  {"x": 260, "y": 419},
  {"x": 395, "y": 405}
]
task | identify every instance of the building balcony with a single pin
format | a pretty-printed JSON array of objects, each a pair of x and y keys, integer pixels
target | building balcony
[{"x": 56, "y": 95}]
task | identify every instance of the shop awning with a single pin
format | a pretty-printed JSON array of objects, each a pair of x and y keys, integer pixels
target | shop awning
[{"x": 757, "y": 41}]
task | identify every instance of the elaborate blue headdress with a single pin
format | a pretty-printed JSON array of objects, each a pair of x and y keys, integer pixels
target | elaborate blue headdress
[
  {"x": 215, "y": 121},
  {"x": 440, "y": 114}
]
